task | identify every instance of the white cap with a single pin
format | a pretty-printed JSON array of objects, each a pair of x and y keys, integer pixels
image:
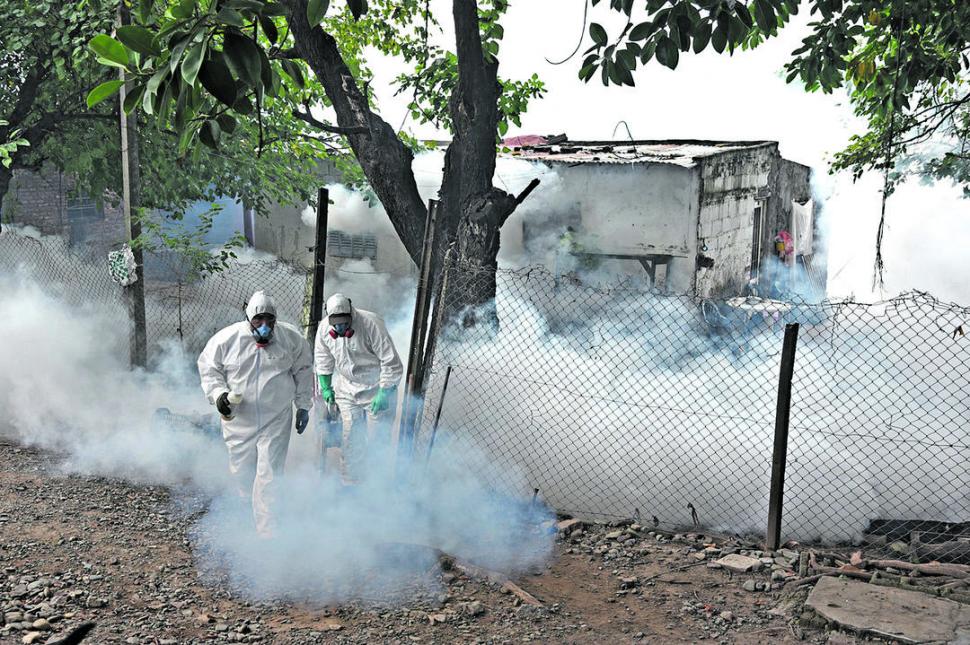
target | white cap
[{"x": 260, "y": 303}]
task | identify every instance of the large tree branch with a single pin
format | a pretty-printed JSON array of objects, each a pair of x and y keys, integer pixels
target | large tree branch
[
  {"x": 325, "y": 127},
  {"x": 384, "y": 158}
]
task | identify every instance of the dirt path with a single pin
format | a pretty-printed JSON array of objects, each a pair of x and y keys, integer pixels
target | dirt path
[{"x": 79, "y": 549}]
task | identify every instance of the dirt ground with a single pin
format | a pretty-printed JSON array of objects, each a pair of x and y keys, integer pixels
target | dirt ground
[{"x": 79, "y": 549}]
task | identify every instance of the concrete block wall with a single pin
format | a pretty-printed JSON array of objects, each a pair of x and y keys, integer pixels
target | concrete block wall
[
  {"x": 728, "y": 198},
  {"x": 41, "y": 199}
]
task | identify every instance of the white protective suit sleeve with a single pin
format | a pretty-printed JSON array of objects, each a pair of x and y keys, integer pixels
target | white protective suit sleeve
[
  {"x": 391, "y": 367},
  {"x": 303, "y": 373},
  {"x": 323, "y": 359},
  {"x": 212, "y": 371}
]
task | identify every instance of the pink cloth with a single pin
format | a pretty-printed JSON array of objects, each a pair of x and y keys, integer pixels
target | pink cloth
[{"x": 524, "y": 140}]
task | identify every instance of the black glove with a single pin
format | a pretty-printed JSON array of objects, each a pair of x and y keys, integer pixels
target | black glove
[
  {"x": 222, "y": 405},
  {"x": 302, "y": 418}
]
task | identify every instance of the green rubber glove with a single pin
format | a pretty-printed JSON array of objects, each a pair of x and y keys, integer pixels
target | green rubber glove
[
  {"x": 326, "y": 387},
  {"x": 381, "y": 400}
]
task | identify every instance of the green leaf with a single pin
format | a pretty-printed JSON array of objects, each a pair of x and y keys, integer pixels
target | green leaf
[
  {"x": 209, "y": 134},
  {"x": 648, "y": 51},
  {"x": 764, "y": 15},
  {"x": 242, "y": 56},
  {"x": 269, "y": 29},
  {"x": 217, "y": 80},
  {"x": 641, "y": 31},
  {"x": 132, "y": 98},
  {"x": 266, "y": 75},
  {"x": 192, "y": 62},
  {"x": 744, "y": 15},
  {"x": 357, "y": 7},
  {"x": 177, "y": 50},
  {"x": 701, "y": 37},
  {"x": 598, "y": 34},
  {"x": 103, "y": 91},
  {"x": 294, "y": 72},
  {"x": 229, "y": 16},
  {"x": 226, "y": 123},
  {"x": 316, "y": 10},
  {"x": 138, "y": 39},
  {"x": 183, "y": 9},
  {"x": 110, "y": 51}
]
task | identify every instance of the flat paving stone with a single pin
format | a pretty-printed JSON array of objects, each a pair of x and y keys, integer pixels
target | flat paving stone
[{"x": 906, "y": 616}]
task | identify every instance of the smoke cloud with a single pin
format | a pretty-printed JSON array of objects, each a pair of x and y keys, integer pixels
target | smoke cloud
[{"x": 65, "y": 386}]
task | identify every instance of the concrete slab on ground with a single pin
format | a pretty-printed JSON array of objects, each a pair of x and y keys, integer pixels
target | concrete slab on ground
[{"x": 906, "y": 616}]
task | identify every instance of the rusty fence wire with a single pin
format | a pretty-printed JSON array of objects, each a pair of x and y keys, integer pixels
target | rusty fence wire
[{"x": 624, "y": 402}]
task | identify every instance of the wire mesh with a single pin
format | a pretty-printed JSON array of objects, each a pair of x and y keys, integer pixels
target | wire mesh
[
  {"x": 619, "y": 402},
  {"x": 627, "y": 402}
]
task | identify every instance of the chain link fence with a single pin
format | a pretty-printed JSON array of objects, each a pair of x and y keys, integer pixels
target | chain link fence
[
  {"x": 628, "y": 403},
  {"x": 624, "y": 402},
  {"x": 187, "y": 310}
]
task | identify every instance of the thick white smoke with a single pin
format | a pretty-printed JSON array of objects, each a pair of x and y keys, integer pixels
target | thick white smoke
[
  {"x": 65, "y": 386},
  {"x": 618, "y": 401}
]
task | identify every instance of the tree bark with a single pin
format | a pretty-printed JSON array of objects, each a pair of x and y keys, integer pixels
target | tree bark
[
  {"x": 385, "y": 159},
  {"x": 474, "y": 210}
]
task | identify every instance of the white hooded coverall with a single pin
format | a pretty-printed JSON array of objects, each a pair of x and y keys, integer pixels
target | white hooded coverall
[
  {"x": 270, "y": 379},
  {"x": 360, "y": 365}
]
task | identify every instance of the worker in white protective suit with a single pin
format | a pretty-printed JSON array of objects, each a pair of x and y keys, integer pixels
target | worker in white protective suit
[
  {"x": 358, "y": 367},
  {"x": 253, "y": 372}
]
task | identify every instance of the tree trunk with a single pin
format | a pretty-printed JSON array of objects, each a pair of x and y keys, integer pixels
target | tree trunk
[
  {"x": 385, "y": 159},
  {"x": 474, "y": 210}
]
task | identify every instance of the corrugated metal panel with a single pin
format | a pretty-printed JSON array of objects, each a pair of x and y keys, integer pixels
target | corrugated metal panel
[{"x": 681, "y": 153}]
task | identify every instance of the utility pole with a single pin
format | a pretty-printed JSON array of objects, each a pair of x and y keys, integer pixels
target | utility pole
[{"x": 135, "y": 292}]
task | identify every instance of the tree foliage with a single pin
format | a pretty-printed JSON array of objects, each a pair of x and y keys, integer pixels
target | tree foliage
[
  {"x": 198, "y": 65},
  {"x": 52, "y": 117}
]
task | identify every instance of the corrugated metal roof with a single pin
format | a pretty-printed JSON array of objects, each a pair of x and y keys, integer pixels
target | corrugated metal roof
[{"x": 679, "y": 152}]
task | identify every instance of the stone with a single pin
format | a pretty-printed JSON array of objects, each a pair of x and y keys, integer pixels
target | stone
[
  {"x": 727, "y": 616},
  {"x": 474, "y": 608},
  {"x": 612, "y": 535},
  {"x": 19, "y": 591},
  {"x": 629, "y": 583},
  {"x": 739, "y": 563},
  {"x": 221, "y": 627},
  {"x": 750, "y": 585},
  {"x": 778, "y": 576},
  {"x": 699, "y": 555},
  {"x": 41, "y": 625},
  {"x": 31, "y": 637},
  {"x": 568, "y": 526},
  {"x": 888, "y": 612}
]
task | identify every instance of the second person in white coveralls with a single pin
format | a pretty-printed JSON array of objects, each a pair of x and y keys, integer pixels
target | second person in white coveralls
[
  {"x": 253, "y": 372},
  {"x": 358, "y": 366}
]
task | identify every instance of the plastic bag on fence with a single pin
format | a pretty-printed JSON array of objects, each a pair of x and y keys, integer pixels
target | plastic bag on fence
[{"x": 121, "y": 266}]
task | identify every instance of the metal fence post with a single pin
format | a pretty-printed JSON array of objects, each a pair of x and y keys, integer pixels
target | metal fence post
[
  {"x": 780, "y": 452},
  {"x": 419, "y": 328},
  {"x": 319, "y": 265}
]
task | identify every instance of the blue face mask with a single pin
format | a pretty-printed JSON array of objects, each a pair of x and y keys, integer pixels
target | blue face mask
[
  {"x": 263, "y": 334},
  {"x": 341, "y": 328}
]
